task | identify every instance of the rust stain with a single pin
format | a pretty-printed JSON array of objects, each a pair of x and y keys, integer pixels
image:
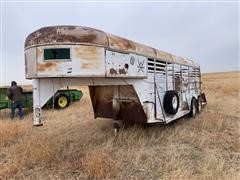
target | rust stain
[
  {"x": 39, "y": 52},
  {"x": 88, "y": 38},
  {"x": 49, "y": 66},
  {"x": 87, "y": 66},
  {"x": 163, "y": 55},
  {"x": 121, "y": 43},
  {"x": 122, "y": 71},
  {"x": 178, "y": 83},
  {"x": 142, "y": 49},
  {"x": 130, "y": 112},
  {"x": 112, "y": 71},
  {"x": 88, "y": 52},
  {"x": 61, "y": 34},
  {"x": 101, "y": 97},
  {"x": 127, "y": 91},
  {"x": 79, "y": 34},
  {"x": 90, "y": 56}
]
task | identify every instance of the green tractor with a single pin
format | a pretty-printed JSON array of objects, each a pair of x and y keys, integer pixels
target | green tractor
[{"x": 61, "y": 99}]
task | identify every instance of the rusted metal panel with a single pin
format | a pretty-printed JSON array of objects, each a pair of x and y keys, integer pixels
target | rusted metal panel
[
  {"x": 177, "y": 59},
  {"x": 128, "y": 80},
  {"x": 131, "y": 113},
  {"x": 164, "y": 56},
  {"x": 84, "y": 61},
  {"x": 90, "y": 56},
  {"x": 146, "y": 50},
  {"x": 125, "y": 65},
  {"x": 121, "y": 44},
  {"x": 66, "y": 34},
  {"x": 127, "y": 92},
  {"x": 129, "y": 108},
  {"x": 48, "y": 67},
  {"x": 101, "y": 97},
  {"x": 30, "y": 63},
  {"x": 85, "y": 35},
  {"x": 88, "y": 61}
]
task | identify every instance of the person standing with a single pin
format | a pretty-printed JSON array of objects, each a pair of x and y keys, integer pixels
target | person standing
[{"x": 15, "y": 94}]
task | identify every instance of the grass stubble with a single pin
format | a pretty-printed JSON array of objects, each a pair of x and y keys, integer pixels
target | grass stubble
[{"x": 72, "y": 145}]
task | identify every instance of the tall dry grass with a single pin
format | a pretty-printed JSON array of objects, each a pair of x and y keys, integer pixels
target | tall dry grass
[
  {"x": 10, "y": 131},
  {"x": 73, "y": 145}
]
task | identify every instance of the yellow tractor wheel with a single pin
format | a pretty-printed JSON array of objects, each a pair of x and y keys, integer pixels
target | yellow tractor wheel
[{"x": 61, "y": 101}]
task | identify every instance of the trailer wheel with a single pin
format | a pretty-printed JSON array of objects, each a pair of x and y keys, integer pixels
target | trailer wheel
[
  {"x": 171, "y": 102},
  {"x": 61, "y": 101},
  {"x": 194, "y": 108},
  {"x": 199, "y": 104}
]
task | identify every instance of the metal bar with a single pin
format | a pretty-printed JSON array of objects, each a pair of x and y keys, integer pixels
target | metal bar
[
  {"x": 155, "y": 107},
  {"x": 188, "y": 81},
  {"x": 36, "y": 103},
  {"x": 195, "y": 80},
  {"x": 166, "y": 74},
  {"x": 173, "y": 73},
  {"x": 160, "y": 104},
  {"x": 200, "y": 80},
  {"x": 181, "y": 78}
]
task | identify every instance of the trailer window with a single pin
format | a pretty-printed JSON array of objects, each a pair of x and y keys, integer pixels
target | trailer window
[{"x": 57, "y": 54}]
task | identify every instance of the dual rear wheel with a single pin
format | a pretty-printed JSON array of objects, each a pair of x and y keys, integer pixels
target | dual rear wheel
[{"x": 196, "y": 107}]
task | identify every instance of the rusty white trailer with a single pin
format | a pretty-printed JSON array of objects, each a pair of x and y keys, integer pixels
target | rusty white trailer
[{"x": 128, "y": 81}]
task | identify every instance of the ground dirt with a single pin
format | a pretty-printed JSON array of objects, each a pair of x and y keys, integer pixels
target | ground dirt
[{"x": 73, "y": 145}]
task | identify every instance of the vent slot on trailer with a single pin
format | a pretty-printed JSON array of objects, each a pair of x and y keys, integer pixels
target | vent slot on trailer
[
  {"x": 156, "y": 66},
  {"x": 150, "y": 65}
]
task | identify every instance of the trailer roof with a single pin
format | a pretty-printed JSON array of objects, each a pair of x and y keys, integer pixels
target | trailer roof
[{"x": 85, "y": 35}]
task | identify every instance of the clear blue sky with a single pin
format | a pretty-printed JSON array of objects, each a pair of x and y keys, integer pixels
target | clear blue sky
[{"x": 206, "y": 32}]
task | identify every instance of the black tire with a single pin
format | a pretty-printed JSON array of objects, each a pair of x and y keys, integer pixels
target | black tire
[
  {"x": 58, "y": 101},
  {"x": 194, "y": 108},
  {"x": 199, "y": 104},
  {"x": 171, "y": 102}
]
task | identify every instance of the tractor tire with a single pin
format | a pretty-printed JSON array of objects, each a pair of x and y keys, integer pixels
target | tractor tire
[{"x": 61, "y": 101}]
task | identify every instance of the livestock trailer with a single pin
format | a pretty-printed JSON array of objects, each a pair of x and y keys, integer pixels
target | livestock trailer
[
  {"x": 61, "y": 99},
  {"x": 127, "y": 81}
]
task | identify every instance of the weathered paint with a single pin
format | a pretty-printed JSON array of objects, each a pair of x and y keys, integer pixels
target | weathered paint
[
  {"x": 164, "y": 56},
  {"x": 128, "y": 81},
  {"x": 145, "y": 50},
  {"x": 30, "y": 63},
  {"x": 120, "y": 43},
  {"x": 117, "y": 102},
  {"x": 39, "y": 53},
  {"x": 66, "y": 34},
  {"x": 48, "y": 66},
  {"x": 125, "y": 65},
  {"x": 84, "y": 61},
  {"x": 90, "y": 56},
  {"x": 84, "y": 35}
]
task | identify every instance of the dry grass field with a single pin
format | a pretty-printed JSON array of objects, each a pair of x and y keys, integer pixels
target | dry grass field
[{"x": 73, "y": 145}]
